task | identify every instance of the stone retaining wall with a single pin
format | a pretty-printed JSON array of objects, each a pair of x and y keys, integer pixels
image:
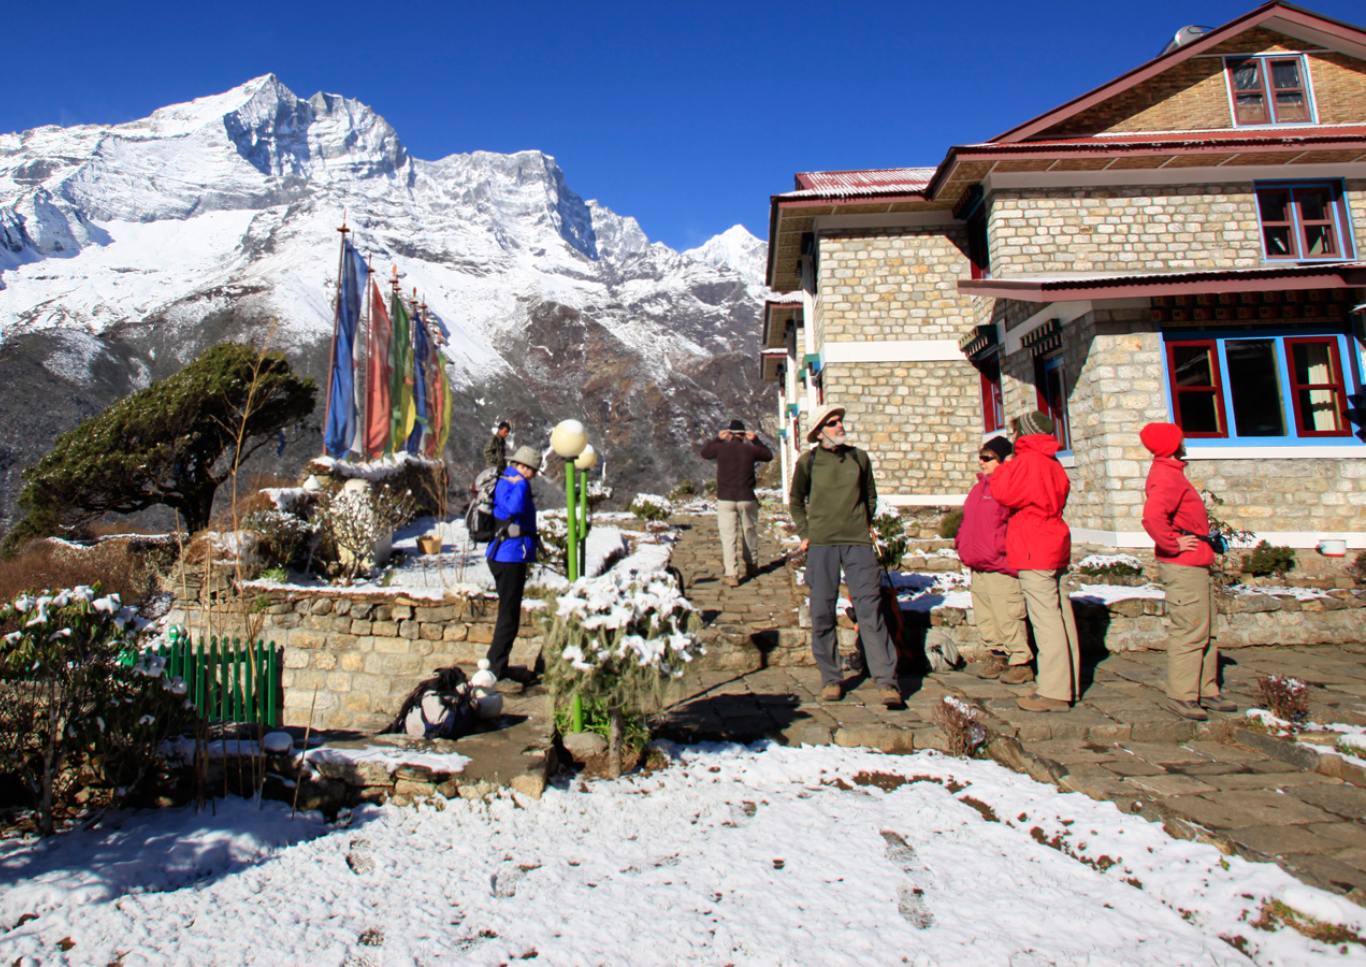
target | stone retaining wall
[{"x": 361, "y": 653}]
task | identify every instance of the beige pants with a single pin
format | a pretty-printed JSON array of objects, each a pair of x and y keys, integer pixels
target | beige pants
[
  {"x": 1055, "y": 634},
  {"x": 998, "y": 609},
  {"x": 1192, "y": 658},
  {"x": 738, "y": 521}
]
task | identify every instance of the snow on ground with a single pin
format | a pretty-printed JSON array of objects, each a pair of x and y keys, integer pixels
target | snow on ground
[{"x": 765, "y": 855}]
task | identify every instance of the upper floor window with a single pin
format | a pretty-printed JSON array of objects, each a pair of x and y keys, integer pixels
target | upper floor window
[
  {"x": 1306, "y": 221},
  {"x": 1250, "y": 385},
  {"x": 1269, "y": 89},
  {"x": 1052, "y": 396}
]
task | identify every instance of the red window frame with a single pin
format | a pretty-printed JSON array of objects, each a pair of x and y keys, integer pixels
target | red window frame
[
  {"x": 1297, "y": 226},
  {"x": 1045, "y": 367},
  {"x": 1338, "y": 386},
  {"x": 1215, "y": 388},
  {"x": 1268, "y": 91},
  {"x": 993, "y": 399}
]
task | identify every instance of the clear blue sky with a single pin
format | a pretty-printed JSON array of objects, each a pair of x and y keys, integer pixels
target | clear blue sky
[{"x": 687, "y": 115}]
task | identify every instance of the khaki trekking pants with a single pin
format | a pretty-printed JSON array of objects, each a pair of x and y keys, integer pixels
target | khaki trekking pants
[
  {"x": 738, "y": 521},
  {"x": 1192, "y": 658},
  {"x": 998, "y": 610},
  {"x": 1055, "y": 634}
]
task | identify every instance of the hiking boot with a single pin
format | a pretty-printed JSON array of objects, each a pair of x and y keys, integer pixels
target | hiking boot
[
  {"x": 889, "y": 696},
  {"x": 1017, "y": 675},
  {"x": 1034, "y": 702},
  {"x": 731, "y": 581},
  {"x": 1188, "y": 710},
  {"x": 991, "y": 668},
  {"x": 832, "y": 692},
  {"x": 1217, "y": 703}
]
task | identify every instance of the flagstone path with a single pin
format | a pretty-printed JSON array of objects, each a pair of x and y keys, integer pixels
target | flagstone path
[{"x": 1216, "y": 781}]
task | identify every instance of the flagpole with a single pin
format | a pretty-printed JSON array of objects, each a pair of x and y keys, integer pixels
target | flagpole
[
  {"x": 365, "y": 341},
  {"x": 336, "y": 323}
]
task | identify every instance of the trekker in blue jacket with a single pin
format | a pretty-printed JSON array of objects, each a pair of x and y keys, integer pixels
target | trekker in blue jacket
[{"x": 512, "y": 550}]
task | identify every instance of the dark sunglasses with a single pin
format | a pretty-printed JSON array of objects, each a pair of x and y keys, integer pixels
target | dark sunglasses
[
  {"x": 987, "y": 457},
  {"x": 834, "y": 421}
]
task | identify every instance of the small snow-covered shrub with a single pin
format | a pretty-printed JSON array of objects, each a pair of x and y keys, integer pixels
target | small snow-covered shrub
[
  {"x": 598, "y": 493},
  {"x": 651, "y": 507},
  {"x": 949, "y": 524},
  {"x": 282, "y": 539},
  {"x": 682, "y": 491},
  {"x": 1267, "y": 559},
  {"x": 73, "y": 697},
  {"x": 553, "y": 531},
  {"x": 1284, "y": 697},
  {"x": 962, "y": 726},
  {"x": 354, "y": 523},
  {"x": 892, "y": 540},
  {"x": 1110, "y": 566},
  {"x": 615, "y": 640}
]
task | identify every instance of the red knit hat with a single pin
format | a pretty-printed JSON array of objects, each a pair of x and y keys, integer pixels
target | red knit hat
[{"x": 1162, "y": 439}]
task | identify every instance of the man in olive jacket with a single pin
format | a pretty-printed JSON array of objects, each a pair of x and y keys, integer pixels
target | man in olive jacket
[
  {"x": 833, "y": 500},
  {"x": 496, "y": 450}
]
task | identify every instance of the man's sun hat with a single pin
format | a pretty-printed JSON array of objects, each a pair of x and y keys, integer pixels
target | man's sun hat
[
  {"x": 527, "y": 457},
  {"x": 822, "y": 414}
]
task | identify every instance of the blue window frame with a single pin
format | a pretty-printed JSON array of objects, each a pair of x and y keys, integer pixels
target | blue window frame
[
  {"x": 1269, "y": 89},
  {"x": 1304, "y": 221},
  {"x": 1264, "y": 386}
]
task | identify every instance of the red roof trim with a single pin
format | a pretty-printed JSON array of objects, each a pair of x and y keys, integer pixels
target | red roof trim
[
  {"x": 1161, "y": 63},
  {"x": 1337, "y": 276}
]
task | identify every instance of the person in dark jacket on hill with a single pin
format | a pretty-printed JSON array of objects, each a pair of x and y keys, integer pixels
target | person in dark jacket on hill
[
  {"x": 1039, "y": 546},
  {"x": 998, "y": 605},
  {"x": 833, "y": 501},
  {"x": 736, "y": 451},
  {"x": 1175, "y": 518},
  {"x": 512, "y": 551},
  {"x": 496, "y": 450}
]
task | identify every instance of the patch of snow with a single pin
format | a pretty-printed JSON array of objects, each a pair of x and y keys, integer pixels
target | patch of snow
[
  {"x": 1110, "y": 593},
  {"x": 390, "y": 757}
]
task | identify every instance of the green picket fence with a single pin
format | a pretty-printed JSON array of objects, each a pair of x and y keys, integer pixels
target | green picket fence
[{"x": 228, "y": 681}]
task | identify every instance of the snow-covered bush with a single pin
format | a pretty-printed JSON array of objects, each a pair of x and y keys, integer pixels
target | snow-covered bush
[
  {"x": 73, "y": 697},
  {"x": 356, "y": 524},
  {"x": 282, "y": 539},
  {"x": 964, "y": 733},
  {"x": 651, "y": 507},
  {"x": 615, "y": 640},
  {"x": 1284, "y": 697},
  {"x": 1110, "y": 566},
  {"x": 553, "y": 530}
]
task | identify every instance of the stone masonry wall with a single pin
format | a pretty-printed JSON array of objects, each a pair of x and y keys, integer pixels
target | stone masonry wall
[
  {"x": 921, "y": 422},
  {"x": 899, "y": 283},
  {"x": 1193, "y": 95},
  {"x": 1137, "y": 228},
  {"x": 363, "y": 654},
  {"x": 1115, "y": 385}
]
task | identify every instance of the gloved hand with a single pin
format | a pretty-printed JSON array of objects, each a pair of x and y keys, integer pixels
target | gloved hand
[{"x": 514, "y": 530}]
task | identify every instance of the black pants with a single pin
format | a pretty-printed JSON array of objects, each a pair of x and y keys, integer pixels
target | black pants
[{"x": 510, "y": 579}]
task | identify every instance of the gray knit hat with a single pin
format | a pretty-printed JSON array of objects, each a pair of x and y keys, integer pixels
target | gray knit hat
[
  {"x": 527, "y": 457},
  {"x": 1035, "y": 422}
]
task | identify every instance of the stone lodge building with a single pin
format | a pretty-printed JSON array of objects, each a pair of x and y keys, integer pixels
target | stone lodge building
[{"x": 1183, "y": 243}]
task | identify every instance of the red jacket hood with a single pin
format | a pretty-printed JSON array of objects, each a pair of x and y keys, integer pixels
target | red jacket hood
[{"x": 1044, "y": 443}]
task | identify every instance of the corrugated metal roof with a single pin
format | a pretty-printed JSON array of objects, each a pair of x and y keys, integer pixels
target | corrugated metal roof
[{"x": 871, "y": 181}]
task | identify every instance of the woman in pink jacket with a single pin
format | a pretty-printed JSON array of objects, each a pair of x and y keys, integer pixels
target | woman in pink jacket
[
  {"x": 1039, "y": 546},
  {"x": 998, "y": 606},
  {"x": 1175, "y": 518}
]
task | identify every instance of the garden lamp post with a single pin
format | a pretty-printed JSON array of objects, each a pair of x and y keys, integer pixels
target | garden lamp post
[
  {"x": 568, "y": 440},
  {"x": 585, "y": 462}
]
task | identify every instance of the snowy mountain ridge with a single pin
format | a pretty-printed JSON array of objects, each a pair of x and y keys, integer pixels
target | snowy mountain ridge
[{"x": 133, "y": 246}]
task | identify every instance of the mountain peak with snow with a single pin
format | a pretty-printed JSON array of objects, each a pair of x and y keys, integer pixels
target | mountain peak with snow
[{"x": 735, "y": 249}]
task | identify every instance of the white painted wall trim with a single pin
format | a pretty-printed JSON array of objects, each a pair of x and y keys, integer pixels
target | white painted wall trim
[
  {"x": 923, "y": 500},
  {"x": 1195, "y": 452},
  {"x": 1166, "y": 176},
  {"x": 839, "y": 223},
  {"x": 893, "y": 351},
  {"x": 1296, "y": 539}
]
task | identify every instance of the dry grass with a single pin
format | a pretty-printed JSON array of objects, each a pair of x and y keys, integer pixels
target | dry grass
[
  {"x": 127, "y": 567},
  {"x": 1274, "y": 914}
]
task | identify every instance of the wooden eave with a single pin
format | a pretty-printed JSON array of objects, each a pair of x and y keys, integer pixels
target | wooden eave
[{"x": 775, "y": 319}]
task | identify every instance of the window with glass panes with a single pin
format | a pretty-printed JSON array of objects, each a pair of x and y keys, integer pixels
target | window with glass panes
[
  {"x": 1269, "y": 89},
  {"x": 1253, "y": 386},
  {"x": 1052, "y": 396},
  {"x": 1304, "y": 221}
]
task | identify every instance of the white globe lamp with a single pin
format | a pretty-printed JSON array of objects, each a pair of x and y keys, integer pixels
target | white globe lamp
[
  {"x": 588, "y": 458},
  {"x": 568, "y": 438}
]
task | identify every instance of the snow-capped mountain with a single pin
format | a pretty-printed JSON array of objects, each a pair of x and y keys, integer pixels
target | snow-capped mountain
[{"x": 127, "y": 249}]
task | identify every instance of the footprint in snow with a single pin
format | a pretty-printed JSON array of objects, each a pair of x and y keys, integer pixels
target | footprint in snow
[{"x": 910, "y": 899}]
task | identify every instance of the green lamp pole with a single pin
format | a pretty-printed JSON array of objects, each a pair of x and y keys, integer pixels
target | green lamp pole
[
  {"x": 569, "y": 439},
  {"x": 586, "y": 460}
]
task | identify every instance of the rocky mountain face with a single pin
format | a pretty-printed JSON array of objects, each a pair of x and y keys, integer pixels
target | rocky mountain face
[{"x": 125, "y": 250}]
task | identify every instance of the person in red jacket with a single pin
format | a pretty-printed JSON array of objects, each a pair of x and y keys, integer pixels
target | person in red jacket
[
  {"x": 1175, "y": 518},
  {"x": 998, "y": 605},
  {"x": 1039, "y": 547}
]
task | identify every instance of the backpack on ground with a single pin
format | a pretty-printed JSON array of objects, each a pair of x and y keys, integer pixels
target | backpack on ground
[
  {"x": 440, "y": 707},
  {"x": 479, "y": 516}
]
